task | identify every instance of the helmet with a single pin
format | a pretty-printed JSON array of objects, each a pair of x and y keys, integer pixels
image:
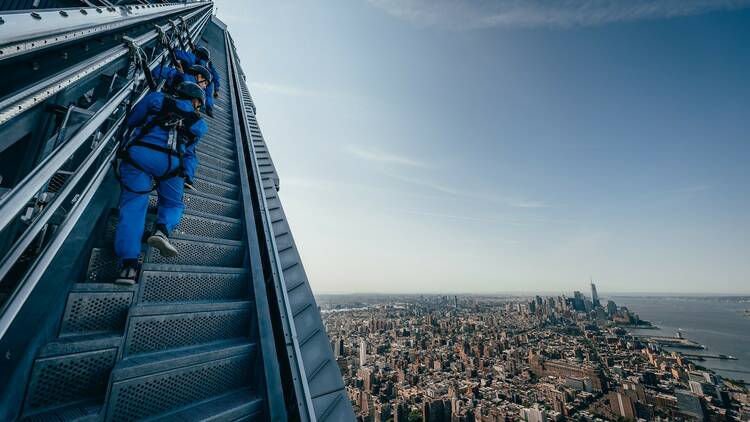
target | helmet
[
  {"x": 202, "y": 53},
  {"x": 197, "y": 69},
  {"x": 191, "y": 90}
]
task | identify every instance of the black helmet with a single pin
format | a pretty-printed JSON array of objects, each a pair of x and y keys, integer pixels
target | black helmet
[
  {"x": 197, "y": 69},
  {"x": 202, "y": 53},
  {"x": 191, "y": 90}
]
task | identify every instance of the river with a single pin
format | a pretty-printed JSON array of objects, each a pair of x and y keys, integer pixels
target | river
[{"x": 720, "y": 326}]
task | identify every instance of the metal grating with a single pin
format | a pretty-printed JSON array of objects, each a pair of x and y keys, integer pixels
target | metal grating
[
  {"x": 230, "y": 192},
  {"x": 211, "y": 206},
  {"x": 207, "y": 227},
  {"x": 173, "y": 286},
  {"x": 161, "y": 332},
  {"x": 223, "y": 176},
  {"x": 141, "y": 397},
  {"x": 86, "y": 312},
  {"x": 215, "y": 162},
  {"x": 200, "y": 253},
  {"x": 60, "y": 380},
  {"x": 102, "y": 266},
  {"x": 216, "y": 149}
]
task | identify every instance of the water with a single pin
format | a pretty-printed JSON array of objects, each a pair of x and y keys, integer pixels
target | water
[{"x": 721, "y": 327}]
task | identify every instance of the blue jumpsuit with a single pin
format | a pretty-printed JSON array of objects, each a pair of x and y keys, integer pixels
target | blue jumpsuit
[
  {"x": 190, "y": 59},
  {"x": 170, "y": 74},
  {"x": 133, "y": 206}
]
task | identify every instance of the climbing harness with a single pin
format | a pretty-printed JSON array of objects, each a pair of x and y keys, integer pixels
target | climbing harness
[{"x": 177, "y": 124}]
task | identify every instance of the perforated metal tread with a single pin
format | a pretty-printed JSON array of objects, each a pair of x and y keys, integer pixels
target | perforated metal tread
[
  {"x": 165, "y": 284},
  {"x": 87, "y": 411},
  {"x": 174, "y": 386},
  {"x": 102, "y": 266},
  {"x": 245, "y": 404},
  {"x": 153, "y": 363},
  {"x": 96, "y": 308},
  {"x": 154, "y": 328},
  {"x": 68, "y": 372},
  {"x": 216, "y": 174},
  {"x": 207, "y": 203},
  {"x": 217, "y": 188},
  {"x": 218, "y": 149},
  {"x": 201, "y": 251},
  {"x": 215, "y": 161}
]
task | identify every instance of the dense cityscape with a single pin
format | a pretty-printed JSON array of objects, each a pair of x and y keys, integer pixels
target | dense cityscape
[{"x": 441, "y": 358}]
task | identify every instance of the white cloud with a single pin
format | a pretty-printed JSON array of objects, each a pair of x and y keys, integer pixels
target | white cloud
[
  {"x": 532, "y": 13},
  {"x": 378, "y": 156}
]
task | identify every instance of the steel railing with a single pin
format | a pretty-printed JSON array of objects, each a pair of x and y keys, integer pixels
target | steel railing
[
  {"x": 15, "y": 200},
  {"x": 28, "y": 31},
  {"x": 23, "y": 100}
]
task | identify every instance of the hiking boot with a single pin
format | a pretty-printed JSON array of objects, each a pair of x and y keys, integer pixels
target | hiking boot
[
  {"x": 128, "y": 273},
  {"x": 160, "y": 241}
]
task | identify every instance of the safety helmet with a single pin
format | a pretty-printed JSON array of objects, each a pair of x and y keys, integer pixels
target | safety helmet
[
  {"x": 191, "y": 90},
  {"x": 197, "y": 69},
  {"x": 202, "y": 53}
]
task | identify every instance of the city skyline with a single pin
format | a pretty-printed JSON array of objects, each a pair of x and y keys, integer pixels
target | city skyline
[
  {"x": 478, "y": 359},
  {"x": 528, "y": 148}
]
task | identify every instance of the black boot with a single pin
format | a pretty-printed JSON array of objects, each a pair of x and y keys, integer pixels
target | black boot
[
  {"x": 160, "y": 241},
  {"x": 128, "y": 272}
]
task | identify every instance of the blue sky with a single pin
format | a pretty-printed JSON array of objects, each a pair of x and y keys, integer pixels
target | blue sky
[{"x": 499, "y": 146}]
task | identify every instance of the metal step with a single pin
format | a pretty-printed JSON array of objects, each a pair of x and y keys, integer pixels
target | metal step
[
  {"x": 220, "y": 147},
  {"x": 151, "y": 385},
  {"x": 96, "y": 308},
  {"x": 83, "y": 411},
  {"x": 217, "y": 188},
  {"x": 181, "y": 283},
  {"x": 214, "y": 162},
  {"x": 193, "y": 223},
  {"x": 70, "y": 371},
  {"x": 156, "y": 328},
  {"x": 102, "y": 266},
  {"x": 207, "y": 203},
  {"x": 222, "y": 175},
  {"x": 245, "y": 405},
  {"x": 195, "y": 251}
]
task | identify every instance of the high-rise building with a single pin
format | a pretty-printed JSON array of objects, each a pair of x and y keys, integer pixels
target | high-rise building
[
  {"x": 690, "y": 404},
  {"x": 363, "y": 353},
  {"x": 594, "y": 296},
  {"x": 578, "y": 301}
]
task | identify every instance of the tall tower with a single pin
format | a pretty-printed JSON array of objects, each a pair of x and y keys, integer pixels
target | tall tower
[
  {"x": 594, "y": 295},
  {"x": 363, "y": 353}
]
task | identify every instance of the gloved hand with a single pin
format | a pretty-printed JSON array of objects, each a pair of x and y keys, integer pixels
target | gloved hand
[
  {"x": 216, "y": 94},
  {"x": 210, "y": 112}
]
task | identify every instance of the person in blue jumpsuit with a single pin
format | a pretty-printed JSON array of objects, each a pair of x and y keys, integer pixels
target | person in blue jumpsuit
[
  {"x": 202, "y": 57},
  {"x": 149, "y": 157},
  {"x": 173, "y": 78}
]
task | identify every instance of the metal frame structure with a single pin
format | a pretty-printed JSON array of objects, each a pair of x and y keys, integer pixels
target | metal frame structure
[
  {"x": 23, "y": 32},
  {"x": 31, "y": 291},
  {"x": 13, "y": 202}
]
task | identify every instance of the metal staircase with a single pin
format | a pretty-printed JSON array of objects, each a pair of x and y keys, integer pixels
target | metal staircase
[{"x": 226, "y": 331}]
